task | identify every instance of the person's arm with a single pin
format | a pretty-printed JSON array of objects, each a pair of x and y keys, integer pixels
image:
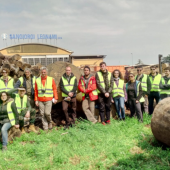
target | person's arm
[
  {"x": 80, "y": 87},
  {"x": 75, "y": 87},
  {"x": 28, "y": 105},
  {"x": 111, "y": 84},
  {"x": 99, "y": 87},
  {"x": 125, "y": 93},
  {"x": 36, "y": 92},
  {"x": 92, "y": 86},
  {"x": 62, "y": 87},
  {"x": 140, "y": 93},
  {"x": 17, "y": 84},
  {"x": 148, "y": 85},
  {"x": 55, "y": 90},
  {"x": 15, "y": 112},
  {"x": 12, "y": 93},
  {"x": 161, "y": 86}
]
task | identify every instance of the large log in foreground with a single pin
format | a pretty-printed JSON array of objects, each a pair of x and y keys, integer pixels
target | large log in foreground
[{"x": 160, "y": 122}]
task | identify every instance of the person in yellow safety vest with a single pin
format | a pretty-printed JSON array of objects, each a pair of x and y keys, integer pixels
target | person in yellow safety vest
[
  {"x": 119, "y": 95},
  {"x": 6, "y": 82},
  {"x": 155, "y": 79},
  {"x": 134, "y": 96},
  {"x": 146, "y": 87},
  {"x": 68, "y": 86},
  {"x": 26, "y": 113},
  {"x": 8, "y": 117},
  {"x": 28, "y": 82},
  {"x": 165, "y": 84},
  {"x": 104, "y": 80}
]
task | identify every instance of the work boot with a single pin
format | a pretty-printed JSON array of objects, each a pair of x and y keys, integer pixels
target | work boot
[
  {"x": 23, "y": 130},
  {"x": 4, "y": 148},
  {"x": 108, "y": 121},
  {"x": 103, "y": 123},
  {"x": 32, "y": 129},
  {"x": 50, "y": 126}
]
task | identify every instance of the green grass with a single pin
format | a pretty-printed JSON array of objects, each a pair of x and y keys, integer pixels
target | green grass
[{"x": 122, "y": 145}]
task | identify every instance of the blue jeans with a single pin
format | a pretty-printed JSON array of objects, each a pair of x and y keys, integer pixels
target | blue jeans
[
  {"x": 4, "y": 131},
  {"x": 119, "y": 104}
]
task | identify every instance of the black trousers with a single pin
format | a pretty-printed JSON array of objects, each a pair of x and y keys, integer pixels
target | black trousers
[
  {"x": 104, "y": 104},
  {"x": 135, "y": 107}
]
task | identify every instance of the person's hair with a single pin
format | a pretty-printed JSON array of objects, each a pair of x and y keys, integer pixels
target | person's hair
[
  {"x": 87, "y": 67},
  {"x": 68, "y": 67},
  {"x": 102, "y": 63},
  {"x": 140, "y": 67},
  {"x": 120, "y": 74},
  {"x": 132, "y": 73},
  {"x": 44, "y": 68},
  {"x": 153, "y": 67},
  {"x": 6, "y": 69},
  {"x": 167, "y": 68},
  {"x": 1, "y": 96},
  {"x": 27, "y": 69}
]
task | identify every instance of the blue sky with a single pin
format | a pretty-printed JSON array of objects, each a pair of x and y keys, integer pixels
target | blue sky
[{"x": 115, "y": 28}]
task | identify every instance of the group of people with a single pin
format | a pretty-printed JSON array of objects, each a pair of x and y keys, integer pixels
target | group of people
[{"x": 18, "y": 101}]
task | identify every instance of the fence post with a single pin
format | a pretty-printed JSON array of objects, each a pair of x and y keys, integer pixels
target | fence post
[{"x": 160, "y": 65}]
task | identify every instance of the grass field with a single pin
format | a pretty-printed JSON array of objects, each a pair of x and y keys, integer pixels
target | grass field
[{"x": 122, "y": 145}]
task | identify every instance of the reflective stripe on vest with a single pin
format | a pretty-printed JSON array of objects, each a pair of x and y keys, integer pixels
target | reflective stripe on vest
[
  {"x": 47, "y": 90},
  {"x": 10, "y": 113},
  {"x": 33, "y": 81},
  {"x": 118, "y": 90},
  {"x": 165, "y": 91},
  {"x": 94, "y": 91},
  {"x": 102, "y": 80},
  {"x": 67, "y": 86},
  {"x": 143, "y": 82},
  {"x": 18, "y": 103},
  {"x": 10, "y": 84},
  {"x": 155, "y": 83}
]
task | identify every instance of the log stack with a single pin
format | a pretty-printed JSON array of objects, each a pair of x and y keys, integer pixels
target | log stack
[{"x": 160, "y": 123}]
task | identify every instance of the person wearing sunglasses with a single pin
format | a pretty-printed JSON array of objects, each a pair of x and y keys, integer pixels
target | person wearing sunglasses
[
  {"x": 146, "y": 87},
  {"x": 165, "y": 84},
  {"x": 155, "y": 79},
  {"x": 134, "y": 96},
  {"x": 119, "y": 94},
  {"x": 6, "y": 82}
]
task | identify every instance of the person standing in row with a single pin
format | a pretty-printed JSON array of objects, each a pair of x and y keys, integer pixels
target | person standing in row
[
  {"x": 8, "y": 117},
  {"x": 68, "y": 86},
  {"x": 119, "y": 94},
  {"x": 165, "y": 84},
  {"x": 28, "y": 82},
  {"x": 45, "y": 92},
  {"x": 104, "y": 81},
  {"x": 134, "y": 96},
  {"x": 146, "y": 87},
  {"x": 87, "y": 85},
  {"x": 6, "y": 82},
  {"x": 155, "y": 79}
]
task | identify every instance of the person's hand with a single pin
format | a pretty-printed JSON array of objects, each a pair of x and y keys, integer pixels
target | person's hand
[
  {"x": 70, "y": 94},
  {"x": 55, "y": 101},
  {"x": 16, "y": 126},
  {"x": 125, "y": 101},
  {"x": 106, "y": 94},
  {"x": 112, "y": 101},
  {"x": 146, "y": 95},
  {"x": 27, "y": 114},
  {"x": 137, "y": 101},
  {"x": 36, "y": 103}
]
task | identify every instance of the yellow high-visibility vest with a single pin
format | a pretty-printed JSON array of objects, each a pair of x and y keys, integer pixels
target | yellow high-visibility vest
[
  {"x": 118, "y": 90},
  {"x": 143, "y": 82},
  {"x": 165, "y": 91},
  {"x": 9, "y": 86},
  {"x": 18, "y": 103},
  {"x": 155, "y": 83},
  {"x": 10, "y": 113},
  {"x": 33, "y": 81}
]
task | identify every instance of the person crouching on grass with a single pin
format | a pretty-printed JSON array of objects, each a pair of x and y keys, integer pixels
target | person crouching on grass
[
  {"x": 134, "y": 96},
  {"x": 8, "y": 117},
  {"x": 119, "y": 94}
]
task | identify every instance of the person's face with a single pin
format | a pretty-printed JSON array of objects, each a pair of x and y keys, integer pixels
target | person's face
[
  {"x": 167, "y": 73},
  {"x": 103, "y": 67},
  {"x": 3, "y": 97},
  {"x": 131, "y": 77},
  {"x": 21, "y": 93},
  {"x": 27, "y": 73},
  {"x": 43, "y": 73},
  {"x": 4, "y": 73},
  {"x": 153, "y": 70},
  {"x": 86, "y": 71},
  {"x": 116, "y": 74},
  {"x": 68, "y": 71},
  {"x": 139, "y": 70}
]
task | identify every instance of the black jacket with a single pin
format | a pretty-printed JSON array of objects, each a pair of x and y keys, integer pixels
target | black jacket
[
  {"x": 148, "y": 85},
  {"x": 62, "y": 85}
]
